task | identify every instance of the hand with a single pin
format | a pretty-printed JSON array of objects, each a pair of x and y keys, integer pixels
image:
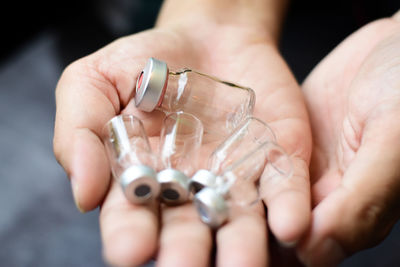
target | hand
[
  {"x": 353, "y": 97},
  {"x": 96, "y": 88}
]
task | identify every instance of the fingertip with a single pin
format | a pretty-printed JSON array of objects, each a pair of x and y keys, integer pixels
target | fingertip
[
  {"x": 289, "y": 205},
  {"x": 90, "y": 172},
  {"x": 123, "y": 249},
  {"x": 289, "y": 217},
  {"x": 184, "y": 239},
  {"x": 396, "y": 15},
  {"x": 152, "y": 121},
  {"x": 327, "y": 252},
  {"x": 75, "y": 194},
  {"x": 243, "y": 241},
  {"x": 129, "y": 232}
]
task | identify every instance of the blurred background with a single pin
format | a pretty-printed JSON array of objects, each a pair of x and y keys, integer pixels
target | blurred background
[{"x": 39, "y": 224}]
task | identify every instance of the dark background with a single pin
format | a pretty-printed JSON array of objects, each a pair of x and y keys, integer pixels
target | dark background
[{"x": 39, "y": 225}]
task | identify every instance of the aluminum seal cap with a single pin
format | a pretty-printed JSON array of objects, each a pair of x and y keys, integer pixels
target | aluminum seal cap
[
  {"x": 202, "y": 178},
  {"x": 151, "y": 85},
  {"x": 211, "y": 207},
  {"x": 139, "y": 184},
  {"x": 174, "y": 186}
]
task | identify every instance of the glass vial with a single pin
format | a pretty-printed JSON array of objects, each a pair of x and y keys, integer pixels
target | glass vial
[
  {"x": 246, "y": 137},
  {"x": 236, "y": 167},
  {"x": 180, "y": 141},
  {"x": 132, "y": 161},
  {"x": 220, "y": 105}
]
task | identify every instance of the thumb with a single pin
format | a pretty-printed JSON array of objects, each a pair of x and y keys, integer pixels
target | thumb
[
  {"x": 361, "y": 211},
  {"x": 396, "y": 16}
]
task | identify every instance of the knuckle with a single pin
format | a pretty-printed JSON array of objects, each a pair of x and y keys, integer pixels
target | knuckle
[
  {"x": 81, "y": 68},
  {"x": 72, "y": 68},
  {"x": 59, "y": 155},
  {"x": 374, "y": 225},
  {"x": 57, "y": 148},
  {"x": 371, "y": 214},
  {"x": 77, "y": 67}
]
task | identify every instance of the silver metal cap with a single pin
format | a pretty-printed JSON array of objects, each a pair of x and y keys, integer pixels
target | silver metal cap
[
  {"x": 139, "y": 184},
  {"x": 174, "y": 186},
  {"x": 202, "y": 178},
  {"x": 211, "y": 207},
  {"x": 151, "y": 85}
]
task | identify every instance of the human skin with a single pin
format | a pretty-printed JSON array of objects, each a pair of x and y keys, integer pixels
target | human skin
[
  {"x": 353, "y": 97},
  {"x": 233, "y": 40}
]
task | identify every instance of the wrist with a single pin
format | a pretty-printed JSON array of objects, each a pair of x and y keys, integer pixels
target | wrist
[{"x": 263, "y": 17}]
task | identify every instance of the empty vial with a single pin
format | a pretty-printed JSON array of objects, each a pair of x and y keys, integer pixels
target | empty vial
[
  {"x": 220, "y": 105},
  {"x": 246, "y": 137},
  {"x": 180, "y": 142},
  {"x": 237, "y": 165},
  {"x": 132, "y": 161}
]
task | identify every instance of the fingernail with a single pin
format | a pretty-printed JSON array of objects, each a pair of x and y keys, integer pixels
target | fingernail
[
  {"x": 327, "y": 253},
  {"x": 75, "y": 193},
  {"x": 285, "y": 244}
]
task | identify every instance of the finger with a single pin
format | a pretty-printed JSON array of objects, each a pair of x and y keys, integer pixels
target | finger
[
  {"x": 83, "y": 107},
  {"x": 129, "y": 232},
  {"x": 288, "y": 198},
  {"x": 243, "y": 241},
  {"x": 90, "y": 92},
  {"x": 152, "y": 121},
  {"x": 361, "y": 211},
  {"x": 288, "y": 202},
  {"x": 184, "y": 239},
  {"x": 396, "y": 16}
]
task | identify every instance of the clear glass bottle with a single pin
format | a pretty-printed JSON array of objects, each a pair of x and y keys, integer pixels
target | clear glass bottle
[
  {"x": 246, "y": 137},
  {"x": 220, "y": 105},
  {"x": 180, "y": 142},
  {"x": 235, "y": 168},
  {"x": 131, "y": 159}
]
